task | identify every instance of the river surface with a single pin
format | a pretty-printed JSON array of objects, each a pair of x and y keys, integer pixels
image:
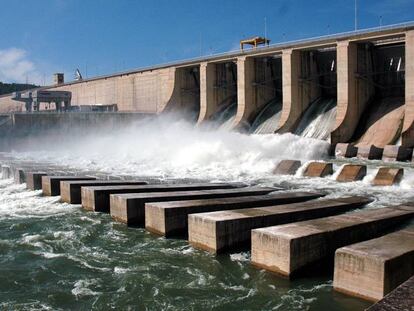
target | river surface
[{"x": 56, "y": 256}]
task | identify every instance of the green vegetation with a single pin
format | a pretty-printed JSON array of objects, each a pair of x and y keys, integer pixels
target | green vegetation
[{"x": 6, "y": 88}]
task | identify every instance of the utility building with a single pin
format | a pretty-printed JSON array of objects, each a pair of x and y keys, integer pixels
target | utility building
[{"x": 32, "y": 99}]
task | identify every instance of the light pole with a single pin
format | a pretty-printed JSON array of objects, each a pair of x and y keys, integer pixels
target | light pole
[{"x": 356, "y": 15}]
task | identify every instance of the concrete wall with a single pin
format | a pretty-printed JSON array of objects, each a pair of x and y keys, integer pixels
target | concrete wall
[
  {"x": 352, "y": 95},
  {"x": 7, "y": 105},
  {"x": 246, "y": 99},
  {"x": 148, "y": 91},
  {"x": 218, "y": 86},
  {"x": 367, "y": 82},
  {"x": 186, "y": 94},
  {"x": 408, "y": 127},
  {"x": 208, "y": 103},
  {"x": 299, "y": 88},
  {"x": 268, "y": 79},
  {"x": 23, "y": 130},
  {"x": 259, "y": 80}
]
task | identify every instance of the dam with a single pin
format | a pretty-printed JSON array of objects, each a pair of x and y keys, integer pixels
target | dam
[
  {"x": 266, "y": 178},
  {"x": 347, "y": 88}
]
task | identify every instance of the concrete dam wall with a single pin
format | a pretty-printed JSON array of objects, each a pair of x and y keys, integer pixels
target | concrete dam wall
[
  {"x": 32, "y": 129},
  {"x": 353, "y": 88}
]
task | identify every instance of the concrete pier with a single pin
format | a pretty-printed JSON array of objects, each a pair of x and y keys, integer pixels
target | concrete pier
[
  {"x": 13, "y": 171},
  {"x": 6, "y": 171},
  {"x": 289, "y": 249},
  {"x": 318, "y": 169},
  {"x": 373, "y": 268},
  {"x": 397, "y": 153},
  {"x": 171, "y": 218},
  {"x": 370, "y": 152},
  {"x": 70, "y": 191},
  {"x": 34, "y": 180},
  {"x": 97, "y": 198},
  {"x": 345, "y": 150},
  {"x": 387, "y": 176},
  {"x": 287, "y": 167},
  {"x": 20, "y": 171},
  {"x": 130, "y": 208},
  {"x": 400, "y": 299},
  {"x": 220, "y": 231},
  {"x": 352, "y": 172},
  {"x": 51, "y": 184},
  {"x": 19, "y": 175}
]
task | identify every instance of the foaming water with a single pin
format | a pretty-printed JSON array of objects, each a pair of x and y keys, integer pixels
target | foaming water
[
  {"x": 174, "y": 148},
  {"x": 226, "y": 114},
  {"x": 318, "y": 119},
  {"x": 78, "y": 260},
  {"x": 382, "y": 196},
  {"x": 58, "y": 256},
  {"x": 168, "y": 148},
  {"x": 227, "y": 117},
  {"x": 267, "y": 121}
]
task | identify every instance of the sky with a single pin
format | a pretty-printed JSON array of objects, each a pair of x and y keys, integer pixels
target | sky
[{"x": 40, "y": 37}]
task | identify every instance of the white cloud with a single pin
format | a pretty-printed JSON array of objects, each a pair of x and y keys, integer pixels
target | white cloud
[{"x": 15, "y": 66}]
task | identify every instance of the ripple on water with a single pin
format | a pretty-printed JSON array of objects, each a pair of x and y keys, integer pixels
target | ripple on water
[
  {"x": 82, "y": 288},
  {"x": 59, "y": 256}
]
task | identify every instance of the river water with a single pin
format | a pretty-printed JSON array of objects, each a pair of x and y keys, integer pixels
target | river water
[{"x": 56, "y": 256}]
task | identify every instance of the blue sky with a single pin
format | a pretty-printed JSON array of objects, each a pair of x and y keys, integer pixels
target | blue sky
[{"x": 39, "y": 37}]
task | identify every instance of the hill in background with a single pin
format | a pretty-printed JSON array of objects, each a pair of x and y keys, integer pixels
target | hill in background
[{"x": 6, "y": 88}]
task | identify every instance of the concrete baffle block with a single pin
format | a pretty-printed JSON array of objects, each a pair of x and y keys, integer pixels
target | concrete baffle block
[
  {"x": 6, "y": 171},
  {"x": 370, "y": 152},
  {"x": 171, "y": 218},
  {"x": 318, "y": 169},
  {"x": 70, "y": 190},
  {"x": 352, "y": 172},
  {"x": 387, "y": 176},
  {"x": 97, "y": 198},
  {"x": 287, "y": 167},
  {"x": 130, "y": 209},
  {"x": 34, "y": 180},
  {"x": 344, "y": 150},
  {"x": 400, "y": 299},
  {"x": 397, "y": 153},
  {"x": 225, "y": 230},
  {"x": 51, "y": 184},
  {"x": 290, "y": 249},
  {"x": 373, "y": 268},
  {"x": 19, "y": 175}
]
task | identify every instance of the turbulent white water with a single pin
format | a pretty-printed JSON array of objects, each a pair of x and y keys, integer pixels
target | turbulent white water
[
  {"x": 267, "y": 120},
  {"x": 399, "y": 141},
  {"x": 318, "y": 119},
  {"x": 167, "y": 147},
  {"x": 226, "y": 117},
  {"x": 58, "y": 256}
]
